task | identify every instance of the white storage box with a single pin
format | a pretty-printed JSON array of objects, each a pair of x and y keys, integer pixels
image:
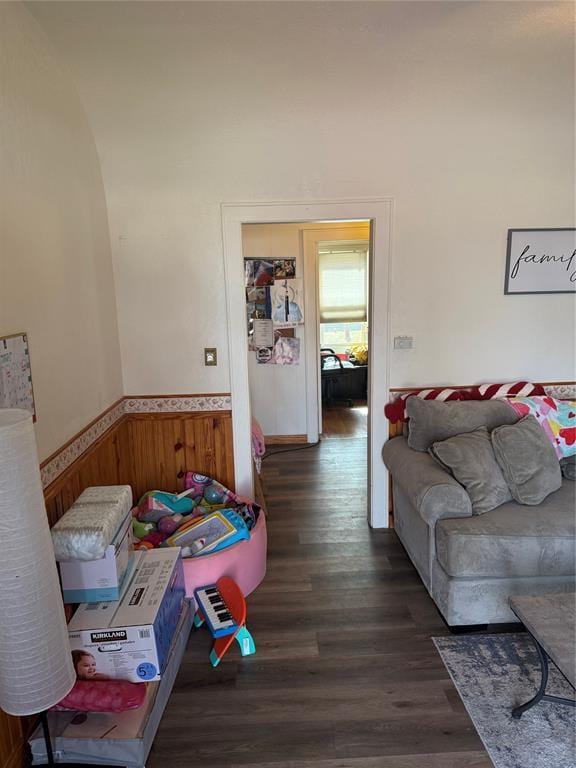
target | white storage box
[
  {"x": 94, "y": 581},
  {"x": 130, "y": 639}
]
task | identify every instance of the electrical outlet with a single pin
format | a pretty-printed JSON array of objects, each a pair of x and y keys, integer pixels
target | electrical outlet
[
  {"x": 210, "y": 356},
  {"x": 403, "y": 342}
]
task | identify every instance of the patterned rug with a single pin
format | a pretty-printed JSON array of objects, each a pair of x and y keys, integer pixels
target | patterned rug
[{"x": 493, "y": 674}]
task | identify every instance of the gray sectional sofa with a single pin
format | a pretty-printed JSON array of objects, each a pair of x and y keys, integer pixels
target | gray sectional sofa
[{"x": 472, "y": 563}]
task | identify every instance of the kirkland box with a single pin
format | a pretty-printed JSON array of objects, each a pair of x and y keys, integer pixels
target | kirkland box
[
  {"x": 94, "y": 581},
  {"x": 130, "y": 639}
]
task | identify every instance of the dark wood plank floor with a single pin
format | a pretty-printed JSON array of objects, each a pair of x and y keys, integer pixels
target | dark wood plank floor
[
  {"x": 339, "y": 421},
  {"x": 345, "y": 674}
]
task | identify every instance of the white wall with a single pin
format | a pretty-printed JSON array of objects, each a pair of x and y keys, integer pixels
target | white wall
[
  {"x": 56, "y": 279},
  {"x": 463, "y": 111}
]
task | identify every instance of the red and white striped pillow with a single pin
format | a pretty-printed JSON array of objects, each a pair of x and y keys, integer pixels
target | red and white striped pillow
[
  {"x": 395, "y": 410},
  {"x": 512, "y": 389}
]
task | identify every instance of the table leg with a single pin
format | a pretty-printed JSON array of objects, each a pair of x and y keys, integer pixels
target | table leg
[{"x": 541, "y": 694}]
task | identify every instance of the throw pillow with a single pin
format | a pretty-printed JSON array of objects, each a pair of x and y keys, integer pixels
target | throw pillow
[
  {"x": 470, "y": 458},
  {"x": 556, "y": 417},
  {"x": 432, "y": 421},
  {"x": 528, "y": 460},
  {"x": 568, "y": 467}
]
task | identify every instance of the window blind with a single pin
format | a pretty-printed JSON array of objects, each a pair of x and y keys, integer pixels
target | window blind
[{"x": 343, "y": 280}]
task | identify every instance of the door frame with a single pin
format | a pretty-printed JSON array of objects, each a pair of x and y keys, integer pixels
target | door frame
[{"x": 379, "y": 211}]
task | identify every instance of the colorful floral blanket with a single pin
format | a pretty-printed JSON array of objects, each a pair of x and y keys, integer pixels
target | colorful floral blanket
[{"x": 556, "y": 417}]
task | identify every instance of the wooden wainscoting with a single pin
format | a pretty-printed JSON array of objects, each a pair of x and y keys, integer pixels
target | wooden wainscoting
[
  {"x": 147, "y": 451},
  {"x": 161, "y": 447}
]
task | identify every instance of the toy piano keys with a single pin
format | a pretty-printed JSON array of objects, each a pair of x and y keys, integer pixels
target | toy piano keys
[{"x": 223, "y": 608}]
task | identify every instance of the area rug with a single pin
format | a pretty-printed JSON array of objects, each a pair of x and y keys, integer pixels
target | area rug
[{"x": 495, "y": 673}]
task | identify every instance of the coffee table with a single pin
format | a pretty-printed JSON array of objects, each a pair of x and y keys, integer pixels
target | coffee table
[{"x": 551, "y": 620}]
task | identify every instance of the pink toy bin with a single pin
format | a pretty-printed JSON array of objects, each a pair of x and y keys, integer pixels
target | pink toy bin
[{"x": 245, "y": 562}]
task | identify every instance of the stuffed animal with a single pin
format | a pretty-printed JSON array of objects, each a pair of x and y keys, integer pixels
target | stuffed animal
[{"x": 140, "y": 529}]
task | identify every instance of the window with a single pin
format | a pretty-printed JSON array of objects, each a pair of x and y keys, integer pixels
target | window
[
  {"x": 343, "y": 294},
  {"x": 343, "y": 277}
]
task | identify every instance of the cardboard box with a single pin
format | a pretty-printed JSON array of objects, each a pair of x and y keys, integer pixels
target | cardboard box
[
  {"x": 94, "y": 581},
  {"x": 130, "y": 639}
]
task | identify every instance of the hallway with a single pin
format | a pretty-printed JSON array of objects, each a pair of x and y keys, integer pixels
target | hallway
[{"x": 345, "y": 674}]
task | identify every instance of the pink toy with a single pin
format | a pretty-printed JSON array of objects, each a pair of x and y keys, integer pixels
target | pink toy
[
  {"x": 103, "y": 696},
  {"x": 196, "y": 483}
]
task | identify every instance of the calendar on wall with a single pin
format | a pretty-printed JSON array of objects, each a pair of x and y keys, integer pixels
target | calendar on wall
[{"x": 15, "y": 374}]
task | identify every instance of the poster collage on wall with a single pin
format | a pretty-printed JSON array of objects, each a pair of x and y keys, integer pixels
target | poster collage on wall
[{"x": 274, "y": 307}]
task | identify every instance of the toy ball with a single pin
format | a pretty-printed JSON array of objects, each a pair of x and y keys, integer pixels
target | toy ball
[
  {"x": 169, "y": 524},
  {"x": 213, "y": 494}
]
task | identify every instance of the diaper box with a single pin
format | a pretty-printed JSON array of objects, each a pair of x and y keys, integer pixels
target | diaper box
[
  {"x": 130, "y": 639},
  {"x": 93, "y": 581}
]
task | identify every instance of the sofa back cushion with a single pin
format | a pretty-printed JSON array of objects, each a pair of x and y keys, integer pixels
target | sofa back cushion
[
  {"x": 470, "y": 458},
  {"x": 432, "y": 421},
  {"x": 528, "y": 460}
]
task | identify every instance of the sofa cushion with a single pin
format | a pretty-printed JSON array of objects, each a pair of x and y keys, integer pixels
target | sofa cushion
[
  {"x": 528, "y": 460},
  {"x": 470, "y": 458},
  {"x": 431, "y": 490},
  {"x": 568, "y": 467},
  {"x": 432, "y": 421},
  {"x": 512, "y": 540}
]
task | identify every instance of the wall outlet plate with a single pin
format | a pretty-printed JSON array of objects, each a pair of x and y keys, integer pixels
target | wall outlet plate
[
  {"x": 210, "y": 356},
  {"x": 403, "y": 342}
]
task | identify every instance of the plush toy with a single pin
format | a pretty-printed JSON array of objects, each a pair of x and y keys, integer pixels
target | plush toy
[{"x": 140, "y": 530}]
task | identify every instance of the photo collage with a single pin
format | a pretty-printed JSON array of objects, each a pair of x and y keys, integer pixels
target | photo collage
[{"x": 274, "y": 307}]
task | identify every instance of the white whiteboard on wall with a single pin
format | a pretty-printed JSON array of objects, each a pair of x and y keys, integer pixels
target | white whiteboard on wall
[
  {"x": 15, "y": 374},
  {"x": 541, "y": 261}
]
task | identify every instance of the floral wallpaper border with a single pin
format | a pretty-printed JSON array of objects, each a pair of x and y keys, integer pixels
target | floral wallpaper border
[
  {"x": 561, "y": 391},
  {"x": 57, "y": 464}
]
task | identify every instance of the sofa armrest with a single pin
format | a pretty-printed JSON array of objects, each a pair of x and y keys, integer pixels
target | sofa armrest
[{"x": 429, "y": 488}]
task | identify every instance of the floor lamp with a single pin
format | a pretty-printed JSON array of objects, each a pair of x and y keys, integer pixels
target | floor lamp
[{"x": 36, "y": 668}]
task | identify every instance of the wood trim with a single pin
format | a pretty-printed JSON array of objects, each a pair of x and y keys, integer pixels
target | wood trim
[{"x": 285, "y": 439}]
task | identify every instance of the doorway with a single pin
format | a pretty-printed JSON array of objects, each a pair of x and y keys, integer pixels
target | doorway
[{"x": 379, "y": 213}]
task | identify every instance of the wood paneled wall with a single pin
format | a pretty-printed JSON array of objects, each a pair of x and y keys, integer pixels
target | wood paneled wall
[{"x": 147, "y": 451}]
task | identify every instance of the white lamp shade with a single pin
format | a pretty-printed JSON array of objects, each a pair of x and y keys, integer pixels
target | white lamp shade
[{"x": 36, "y": 669}]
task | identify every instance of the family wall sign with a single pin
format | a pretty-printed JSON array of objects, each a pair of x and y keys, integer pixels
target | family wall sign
[{"x": 541, "y": 261}]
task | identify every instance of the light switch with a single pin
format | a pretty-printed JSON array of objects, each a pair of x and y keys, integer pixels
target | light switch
[
  {"x": 210, "y": 356},
  {"x": 403, "y": 342}
]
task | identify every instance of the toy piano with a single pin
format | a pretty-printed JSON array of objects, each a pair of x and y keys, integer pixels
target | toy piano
[{"x": 223, "y": 608}]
